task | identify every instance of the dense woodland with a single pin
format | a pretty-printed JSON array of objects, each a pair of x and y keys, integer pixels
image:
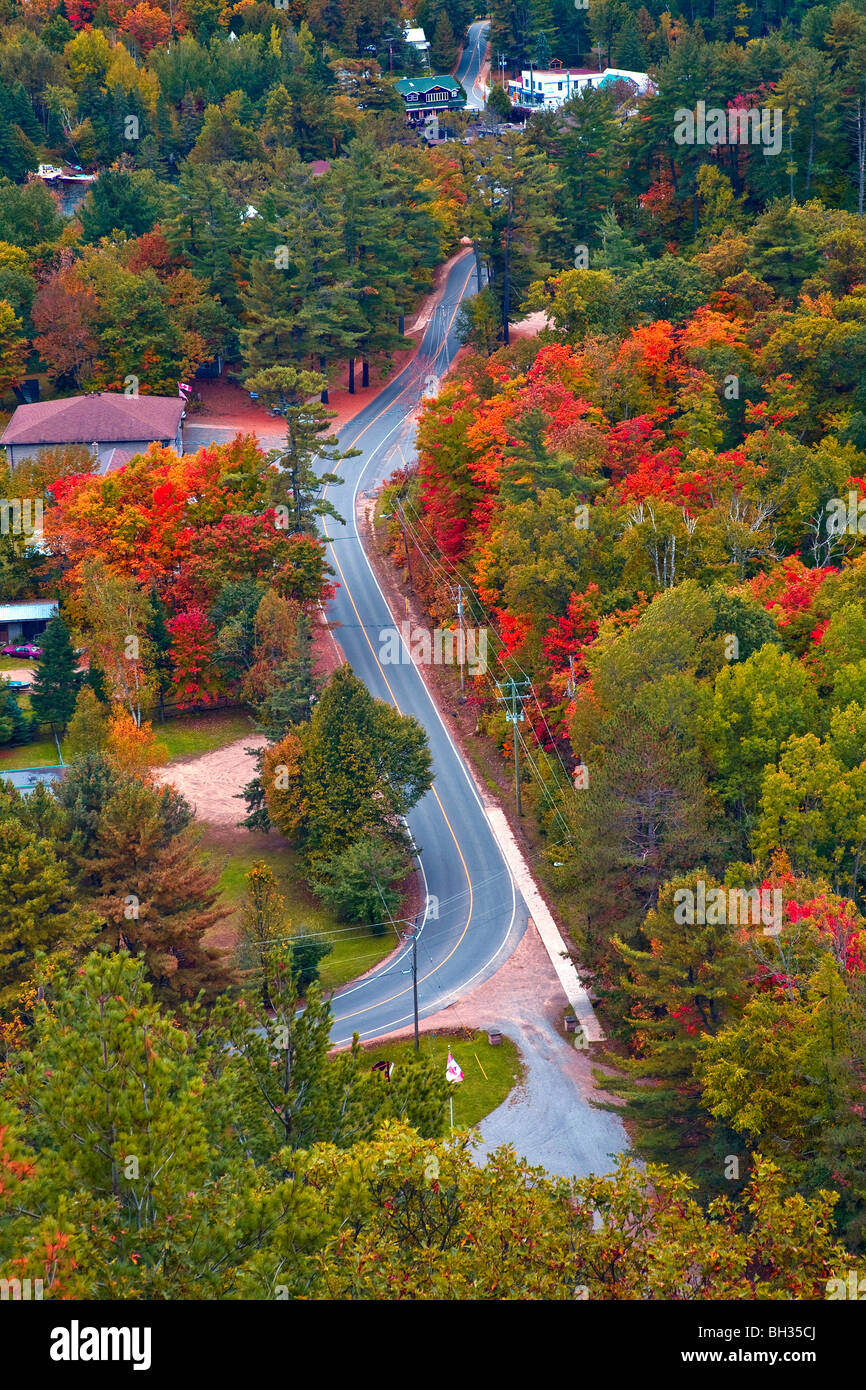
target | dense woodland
[{"x": 642, "y": 502}]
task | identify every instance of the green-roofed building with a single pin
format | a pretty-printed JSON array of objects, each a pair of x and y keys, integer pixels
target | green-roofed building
[{"x": 426, "y": 96}]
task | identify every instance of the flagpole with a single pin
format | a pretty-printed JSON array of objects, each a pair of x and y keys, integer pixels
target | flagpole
[{"x": 451, "y": 1098}]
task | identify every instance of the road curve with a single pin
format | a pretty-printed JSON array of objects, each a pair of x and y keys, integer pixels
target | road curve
[
  {"x": 469, "y": 68},
  {"x": 475, "y": 914}
]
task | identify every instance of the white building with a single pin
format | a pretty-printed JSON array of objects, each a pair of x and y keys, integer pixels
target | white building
[
  {"x": 418, "y": 39},
  {"x": 551, "y": 87}
]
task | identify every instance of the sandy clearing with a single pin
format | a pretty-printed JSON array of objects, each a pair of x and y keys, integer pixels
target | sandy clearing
[{"x": 211, "y": 783}]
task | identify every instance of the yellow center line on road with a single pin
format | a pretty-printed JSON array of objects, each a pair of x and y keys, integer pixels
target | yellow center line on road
[{"x": 363, "y": 628}]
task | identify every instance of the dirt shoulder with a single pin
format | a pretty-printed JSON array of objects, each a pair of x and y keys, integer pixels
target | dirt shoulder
[{"x": 226, "y": 405}]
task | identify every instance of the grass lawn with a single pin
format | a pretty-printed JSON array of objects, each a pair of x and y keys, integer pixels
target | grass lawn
[
  {"x": 477, "y": 1095},
  {"x": 355, "y": 949},
  {"x": 184, "y": 738},
  {"x": 193, "y": 734},
  {"x": 41, "y": 753},
  {"x": 15, "y": 663}
]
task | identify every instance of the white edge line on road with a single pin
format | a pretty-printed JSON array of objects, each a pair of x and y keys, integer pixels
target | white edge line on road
[
  {"x": 518, "y": 870},
  {"x": 382, "y": 970},
  {"x": 460, "y": 759}
]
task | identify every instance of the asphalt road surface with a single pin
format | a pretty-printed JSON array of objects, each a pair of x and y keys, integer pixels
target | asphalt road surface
[
  {"x": 470, "y": 63},
  {"x": 474, "y": 916}
]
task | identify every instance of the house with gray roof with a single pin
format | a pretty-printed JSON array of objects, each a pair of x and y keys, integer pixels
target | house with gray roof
[
  {"x": 115, "y": 426},
  {"x": 24, "y": 779},
  {"x": 25, "y": 619}
]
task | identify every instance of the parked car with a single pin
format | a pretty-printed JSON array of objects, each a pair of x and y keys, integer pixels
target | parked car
[{"x": 26, "y": 649}]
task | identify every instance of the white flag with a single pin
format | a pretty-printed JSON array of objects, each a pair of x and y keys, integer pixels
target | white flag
[{"x": 452, "y": 1071}]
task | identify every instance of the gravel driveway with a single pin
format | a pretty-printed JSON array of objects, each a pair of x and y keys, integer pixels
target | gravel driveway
[{"x": 548, "y": 1118}]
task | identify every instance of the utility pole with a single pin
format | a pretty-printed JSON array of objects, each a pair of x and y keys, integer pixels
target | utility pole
[
  {"x": 515, "y": 694},
  {"x": 571, "y": 686},
  {"x": 402, "y": 520},
  {"x": 402, "y": 937},
  {"x": 414, "y": 973},
  {"x": 415, "y": 979},
  {"x": 461, "y": 639}
]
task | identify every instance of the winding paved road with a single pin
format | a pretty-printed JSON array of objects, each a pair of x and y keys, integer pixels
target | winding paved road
[
  {"x": 475, "y": 915},
  {"x": 471, "y": 59}
]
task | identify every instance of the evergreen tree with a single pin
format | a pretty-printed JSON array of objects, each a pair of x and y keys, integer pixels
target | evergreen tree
[
  {"x": 153, "y": 894},
  {"x": 326, "y": 312},
  {"x": 15, "y": 726},
  {"x": 376, "y": 253},
  {"x": 118, "y": 202},
  {"x": 584, "y": 141},
  {"x": 205, "y": 226},
  {"x": 57, "y": 682},
  {"x": 511, "y": 190},
  {"x": 642, "y": 818},
  {"x": 443, "y": 48},
  {"x": 629, "y": 51},
  {"x": 87, "y": 789},
  {"x": 106, "y": 1075},
  {"x": 160, "y": 646},
  {"x": 297, "y": 485},
  {"x": 542, "y": 48},
  {"x": 682, "y": 990},
  {"x": 529, "y": 466},
  {"x": 288, "y": 1094},
  {"x": 618, "y": 251},
  {"x": 265, "y": 923},
  {"x": 359, "y": 882},
  {"x": 88, "y": 727},
  {"x": 37, "y": 906},
  {"x": 357, "y": 765},
  {"x": 782, "y": 252}
]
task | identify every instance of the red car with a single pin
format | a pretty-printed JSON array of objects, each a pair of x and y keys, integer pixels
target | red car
[{"x": 28, "y": 649}]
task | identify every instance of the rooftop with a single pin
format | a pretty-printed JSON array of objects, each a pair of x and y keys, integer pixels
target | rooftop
[
  {"x": 26, "y": 778},
  {"x": 106, "y": 417},
  {"x": 28, "y": 611},
  {"x": 426, "y": 84}
]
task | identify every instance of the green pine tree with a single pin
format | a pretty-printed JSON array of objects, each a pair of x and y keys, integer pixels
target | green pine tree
[
  {"x": 88, "y": 727},
  {"x": 297, "y": 485},
  {"x": 682, "y": 990},
  {"x": 37, "y": 906},
  {"x": 160, "y": 642},
  {"x": 443, "y": 47},
  {"x": 57, "y": 682}
]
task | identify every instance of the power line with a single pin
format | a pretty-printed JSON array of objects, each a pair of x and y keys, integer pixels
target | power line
[
  {"x": 503, "y": 646},
  {"x": 513, "y": 700}
]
